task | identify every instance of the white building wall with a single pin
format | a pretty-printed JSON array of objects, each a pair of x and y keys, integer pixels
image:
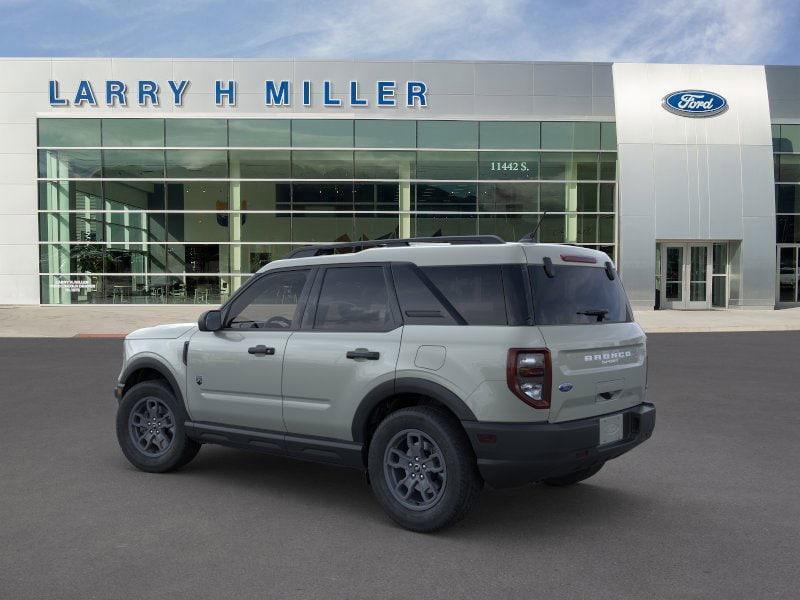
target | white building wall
[{"x": 695, "y": 178}]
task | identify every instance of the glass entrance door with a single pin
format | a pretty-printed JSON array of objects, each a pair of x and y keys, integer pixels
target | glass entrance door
[
  {"x": 788, "y": 280},
  {"x": 686, "y": 275}
]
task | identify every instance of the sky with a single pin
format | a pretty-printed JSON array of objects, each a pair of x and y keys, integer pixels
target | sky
[{"x": 679, "y": 31}]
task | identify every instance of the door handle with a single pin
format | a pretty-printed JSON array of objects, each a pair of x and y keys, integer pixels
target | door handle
[
  {"x": 261, "y": 350},
  {"x": 363, "y": 353}
]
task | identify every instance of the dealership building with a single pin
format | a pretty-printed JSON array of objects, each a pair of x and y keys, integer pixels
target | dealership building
[{"x": 163, "y": 181}]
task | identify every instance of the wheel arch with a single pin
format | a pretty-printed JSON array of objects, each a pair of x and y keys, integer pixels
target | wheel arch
[
  {"x": 402, "y": 392},
  {"x": 146, "y": 369}
]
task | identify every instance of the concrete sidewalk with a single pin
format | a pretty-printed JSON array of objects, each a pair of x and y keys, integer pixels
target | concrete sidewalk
[{"x": 117, "y": 321}]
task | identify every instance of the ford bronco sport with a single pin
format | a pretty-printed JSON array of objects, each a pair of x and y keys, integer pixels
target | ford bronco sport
[{"x": 435, "y": 365}]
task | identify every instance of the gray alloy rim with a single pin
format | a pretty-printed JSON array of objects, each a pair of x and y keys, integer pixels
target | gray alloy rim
[
  {"x": 152, "y": 426},
  {"x": 414, "y": 469}
]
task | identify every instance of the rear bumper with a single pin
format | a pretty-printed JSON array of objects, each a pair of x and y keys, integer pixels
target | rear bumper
[{"x": 512, "y": 454}]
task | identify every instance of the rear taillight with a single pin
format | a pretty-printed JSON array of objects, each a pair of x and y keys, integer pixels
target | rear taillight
[{"x": 528, "y": 375}]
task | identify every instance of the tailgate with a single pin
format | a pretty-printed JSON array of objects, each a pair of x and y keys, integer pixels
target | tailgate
[{"x": 597, "y": 369}]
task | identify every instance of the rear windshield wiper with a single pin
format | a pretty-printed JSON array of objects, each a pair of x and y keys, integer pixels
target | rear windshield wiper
[{"x": 600, "y": 313}]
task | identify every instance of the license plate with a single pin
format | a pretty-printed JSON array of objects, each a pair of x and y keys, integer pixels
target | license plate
[{"x": 610, "y": 429}]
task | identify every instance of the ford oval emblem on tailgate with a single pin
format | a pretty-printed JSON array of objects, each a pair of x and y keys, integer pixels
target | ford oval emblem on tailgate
[{"x": 565, "y": 387}]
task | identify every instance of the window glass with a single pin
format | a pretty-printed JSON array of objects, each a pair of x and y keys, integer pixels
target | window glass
[
  {"x": 475, "y": 291},
  {"x": 263, "y": 195},
  {"x": 608, "y": 136},
  {"x": 198, "y": 258},
  {"x": 65, "y": 133},
  {"x": 553, "y": 197},
  {"x": 787, "y": 198},
  {"x": 557, "y": 166},
  {"x": 381, "y": 196},
  {"x": 608, "y": 166},
  {"x": 587, "y": 197},
  {"x": 134, "y": 195},
  {"x": 259, "y": 133},
  {"x": 322, "y": 227},
  {"x": 132, "y": 164},
  {"x": 418, "y": 303},
  {"x": 776, "y": 138},
  {"x": 790, "y": 138},
  {"x": 197, "y": 132},
  {"x": 508, "y": 197},
  {"x": 353, "y": 299},
  {"x": 63, "y": 164},
  {"x": 605, "y": 229},
  {"x": 509, "y": 227},
  {"x": 509, "y": 134},
  {"x": 789, "y": 170},
  {"x": 321, "y": 164},
  {"x": 446, "y": 197},
  {"x": 573, "y": 291},
  {"x": 606, "y": 197},
  {"x": 376, "y": 226},
  {"x": 447, "y": 165},
  {"x": 788, "y": 229},
  {"x": 264, "y": 227},
  {"x": 380, "y": 133},
  {"x": 557, "y": 135},
  {"x": 587, "y": 136},
  {"x": 447, "y": 134},
  {"x": 553, "y": 229},
  {"x": 269, "y": 303},
  {"x": 509, "y": 165},
  {"x": 70, "y": 195},
  {"x": 322, "y": 196},
  {"x": 197, "y": 163},
  {"x": 260, "y": 164},
  {"x": 385, "y": 164},
  {"x": 133, "y": 132},
  {"x": 433, "y": 225},
  {"x": 585, "y": 166},
  {"x": 198, "y": 195},
  {"x": 322, "y": 133},
  {"x": 587, "y": 229},
  {"x": 198, "y": 227}
]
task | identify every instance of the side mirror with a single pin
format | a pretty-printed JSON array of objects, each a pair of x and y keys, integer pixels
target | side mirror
[{"x": 211, "y": 320}]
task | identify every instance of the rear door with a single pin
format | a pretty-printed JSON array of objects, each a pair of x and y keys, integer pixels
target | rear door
[
  {"x": 348, "y": 344},
  {"x": 597, "y": 352},
  {"x": 234, "y": 374}
]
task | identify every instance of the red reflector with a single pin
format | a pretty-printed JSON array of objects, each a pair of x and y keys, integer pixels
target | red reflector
[
  {"x": 578, "y": 258},
  {"x": 582, "y": 454},
  {"x": 487, "y": 438}
]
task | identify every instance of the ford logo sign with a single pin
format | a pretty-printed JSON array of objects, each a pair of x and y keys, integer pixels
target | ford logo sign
[
  {"x": 565, "y": 387},
  {"x": 695, "y": 103}
]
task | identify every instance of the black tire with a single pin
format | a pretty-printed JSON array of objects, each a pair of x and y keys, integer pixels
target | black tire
[
  {"x": 177, "y": 451},
  {"x": 461, "y": 481},
  {"x": 575, "y": 477}
]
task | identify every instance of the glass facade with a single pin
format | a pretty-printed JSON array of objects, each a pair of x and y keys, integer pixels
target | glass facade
[
  {"x": 183, "y": 210},
  {"x": 786, "y": 148}
]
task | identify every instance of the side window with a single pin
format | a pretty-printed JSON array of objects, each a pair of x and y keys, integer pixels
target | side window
[
  {"x": 353, "y": 299},
  {"x": 417, "y": 301},
  {"x": 476, "y": 292},
  {"x": 270, "y": 303}
]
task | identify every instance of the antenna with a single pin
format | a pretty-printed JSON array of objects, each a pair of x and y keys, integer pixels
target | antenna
[{"x": 531, "y": 237}]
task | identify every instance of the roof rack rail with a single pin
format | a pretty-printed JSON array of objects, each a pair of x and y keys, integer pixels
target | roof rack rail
[{"x": 351, "y": 247}]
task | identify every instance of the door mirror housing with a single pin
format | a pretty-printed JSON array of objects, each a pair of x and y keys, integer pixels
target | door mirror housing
[{"x": 211, "y": 320}]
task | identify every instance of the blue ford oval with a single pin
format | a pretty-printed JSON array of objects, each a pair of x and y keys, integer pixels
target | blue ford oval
[{"x": 695, "y": 103}]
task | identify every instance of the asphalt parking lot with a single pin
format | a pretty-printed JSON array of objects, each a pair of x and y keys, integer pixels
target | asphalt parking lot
[{"x": 708, "y": 508}]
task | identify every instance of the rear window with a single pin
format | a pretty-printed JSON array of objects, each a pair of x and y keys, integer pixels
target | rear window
[{"x": 577, "y": 295}]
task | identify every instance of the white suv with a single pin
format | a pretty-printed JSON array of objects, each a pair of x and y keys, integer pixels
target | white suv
[{"x": 434, "y": 364}]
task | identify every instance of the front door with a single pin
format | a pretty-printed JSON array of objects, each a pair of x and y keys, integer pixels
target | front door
[
  {"x": 348, "y": 345},
  {"x": 686, "y": 275},
  {"x": 234, "y": 375}
]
